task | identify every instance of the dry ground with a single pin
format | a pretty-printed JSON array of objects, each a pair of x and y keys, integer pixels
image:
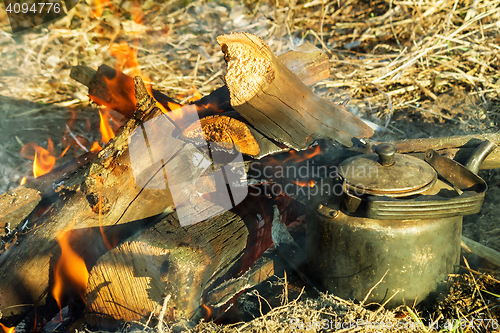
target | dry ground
[{"x": 415, "y": 68}]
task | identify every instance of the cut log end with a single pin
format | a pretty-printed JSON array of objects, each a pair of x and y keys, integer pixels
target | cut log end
[
  {"x": 126, "y": 284},
  {"x": 224, "y": 130},
  {"x": 249, "y": 65}
]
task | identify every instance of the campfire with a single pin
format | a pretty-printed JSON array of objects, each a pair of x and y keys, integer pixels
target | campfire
[{"x": 180, "y": 203}]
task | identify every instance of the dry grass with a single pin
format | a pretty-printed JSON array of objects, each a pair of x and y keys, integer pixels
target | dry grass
[{"x": 417, "y": 68}]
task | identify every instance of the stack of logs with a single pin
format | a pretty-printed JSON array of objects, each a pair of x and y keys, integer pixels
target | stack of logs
[{"x": 130, "y": 236}]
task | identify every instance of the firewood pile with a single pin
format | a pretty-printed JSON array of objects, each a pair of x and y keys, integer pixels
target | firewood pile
[
  {"x": 133, "y": 214},
  {"x": 176, "y": 215},
  {"x": 124, "y": 223}
]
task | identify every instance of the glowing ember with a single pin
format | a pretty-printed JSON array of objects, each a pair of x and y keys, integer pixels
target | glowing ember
[
  {"x": 304, "y": 183},
  {"x": 106, "y": 131},
  {"x": 70, "y": 270},
  {"x": 6, "y": 329},
  {"x": 23, "y": 181}
]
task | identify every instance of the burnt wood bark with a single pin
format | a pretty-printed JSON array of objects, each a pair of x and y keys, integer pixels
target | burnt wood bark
[{"x": 26, "y": 267}]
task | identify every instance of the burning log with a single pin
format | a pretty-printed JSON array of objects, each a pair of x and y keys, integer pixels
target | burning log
[
  {"x": 271, "y": 98},
  {"x": 110, "y": 87},
  {"x": 109, "y": 182},
  {"x": 118, "y": 195},
  {"x": 114, "y": 89},
  {"x": 128, "y": 282},
  {"x": 26, "y": 269}
]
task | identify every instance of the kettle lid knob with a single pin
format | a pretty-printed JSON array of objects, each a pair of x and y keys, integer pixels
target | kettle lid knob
[{"x": 385, "y": 152}]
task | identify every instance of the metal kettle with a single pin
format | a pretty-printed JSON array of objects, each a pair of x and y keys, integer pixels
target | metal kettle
[{"x": 394, "y": 234}]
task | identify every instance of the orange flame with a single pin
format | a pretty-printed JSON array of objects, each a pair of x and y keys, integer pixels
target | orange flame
[
  {"x": 106, "y": 131},
  {"x": 6, "y": 329},
  {"x": 43, "y": 159},
  {"x": 195, "y": 95},
  {"x": 136, "y": 11},
  {"x": 302, "y": 156},
  {"x": 95, "y": 147},
  {"x": 304, "y": 183},
  {"x": 43, "y": 164},
  {"x": 208, "y": 311},
  {"x": 173, "y": 106},
  {"x": 70, "y": 269},
  {"x": 98, "y": 7},
  {"x": 192, "y": 93},
  {"x": 23, "y": 181},
  {"x": 127, "y": 59}
]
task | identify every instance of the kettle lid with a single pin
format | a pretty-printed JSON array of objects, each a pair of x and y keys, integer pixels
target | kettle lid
[{"x": 387, "y": 173}]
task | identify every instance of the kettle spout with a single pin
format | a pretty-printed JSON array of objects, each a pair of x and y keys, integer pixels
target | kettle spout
[{"x": 480, "y": 153}]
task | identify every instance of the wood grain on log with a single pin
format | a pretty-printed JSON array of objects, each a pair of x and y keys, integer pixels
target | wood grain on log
[
  {"x": 15, "y": 206},
  {"x": 259, "y": 272},
  {"x": 226, "y": 131},
  {"x": 308, "y": 63},
  {"x": 128, "y": 282},
  {"x": 276, "y": 102}
]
